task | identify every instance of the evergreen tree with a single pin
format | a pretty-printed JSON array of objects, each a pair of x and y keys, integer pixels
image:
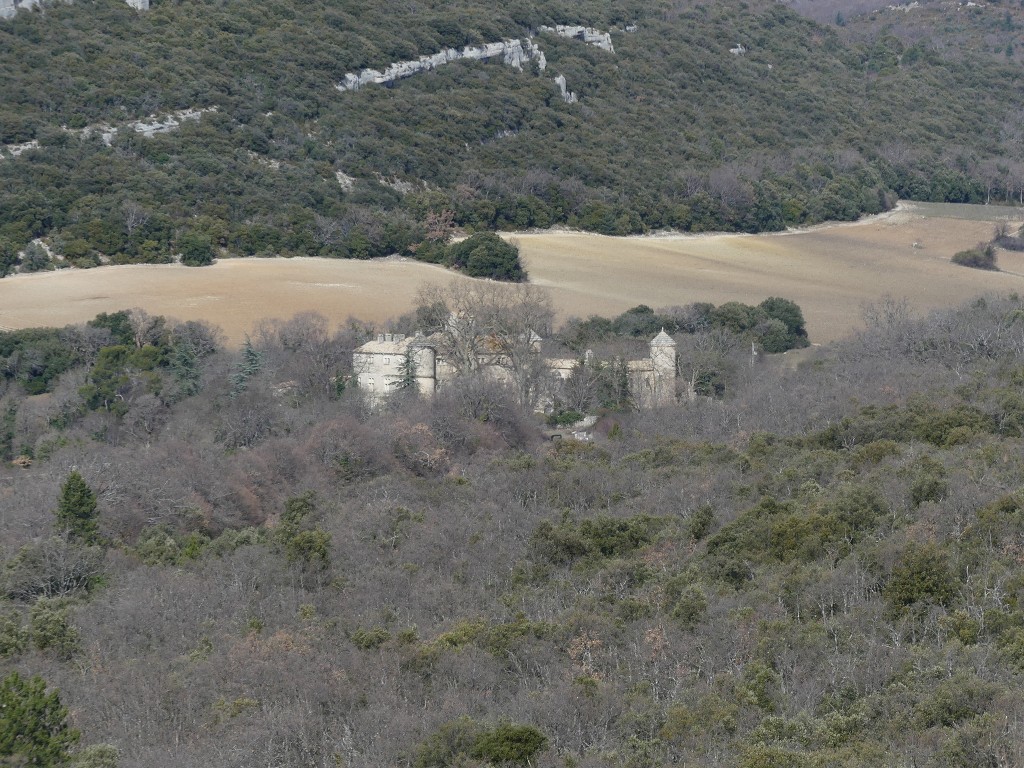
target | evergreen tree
[
  {"x": 76, "y": 509},
  {"x": 8, "y": 257},
  {"x": 252, "y": 361},
  {"x": 185, "y": 366},
  {"x": 406, "y": 381},
  {"x": 33, "y": 724}
]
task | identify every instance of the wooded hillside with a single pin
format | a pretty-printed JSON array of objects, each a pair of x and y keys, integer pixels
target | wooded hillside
[
  {"x": 804, "y": 123},
  {"x": 218, "y": 558}
]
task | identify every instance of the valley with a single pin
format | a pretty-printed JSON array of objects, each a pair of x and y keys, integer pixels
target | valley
[{"x": 830, "y": 271}]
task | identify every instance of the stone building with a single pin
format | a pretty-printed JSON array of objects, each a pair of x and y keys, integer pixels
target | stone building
[
  {"x": 652, "y": 380},
  {"x": 394, "y": 361}
]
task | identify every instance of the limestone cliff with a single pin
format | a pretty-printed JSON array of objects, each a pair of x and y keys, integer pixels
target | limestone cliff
[
  {"x": 602, "y": 40},
  {"x": 568, "y": 96},
  {"x": 514, "y": 53},
  {"x": 10, "y": 7}
]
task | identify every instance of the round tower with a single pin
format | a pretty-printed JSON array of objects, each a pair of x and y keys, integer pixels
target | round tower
[
  {"x": 663, "y": 359},
  {"x": 424, "y": 360}
]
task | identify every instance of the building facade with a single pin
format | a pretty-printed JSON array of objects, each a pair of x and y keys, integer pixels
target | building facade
[{"x": 393, "y": 362}]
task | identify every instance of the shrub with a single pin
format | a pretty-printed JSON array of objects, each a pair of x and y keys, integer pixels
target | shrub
[
  {"x": 923, "y": 577},
  {"x": 310, "y": 548},
  {"x": 701, "y": 522},
  {"x": 98, "y": 756},
  {"x": 505, "y": 744},
  {"x": 53, "y": 567},
  {"x": 368, "y": 639},
  {"x": 600, "y": 537},
  {"x": 691, "y": 607},
  {"x": 487, "y": 255},
  {"x": 508, "y": 743},
  {"x": 980, "y": 257},
  {"x": 51, "y": 631},
  {"x": 196, "y": 250},
  {"x": 14, "y": 637}
]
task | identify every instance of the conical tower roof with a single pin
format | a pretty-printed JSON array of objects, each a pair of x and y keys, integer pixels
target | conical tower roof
[{"x": 663, "y": 340}]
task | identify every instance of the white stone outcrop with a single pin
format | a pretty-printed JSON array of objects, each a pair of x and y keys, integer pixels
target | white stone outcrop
[
  {"x": 16, "y": 149},
  {"x": 589, "y": 35},
  {"x": 171, "y": 122},
  {"x": 8, "y": 8},
  {"x": 347, "y": 182},
  {"x": 149, "y": 127},
  {"x": 567, "y": 96},
  {"x": 514, "y": 53}
]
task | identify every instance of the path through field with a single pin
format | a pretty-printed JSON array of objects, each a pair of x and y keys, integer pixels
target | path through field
[{"x": 830, "y": 271}]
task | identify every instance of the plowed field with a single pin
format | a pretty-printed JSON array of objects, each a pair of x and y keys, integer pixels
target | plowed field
[{"x": 830, "y": 271}]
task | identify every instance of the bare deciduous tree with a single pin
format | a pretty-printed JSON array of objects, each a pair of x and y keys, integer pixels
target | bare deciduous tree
[
  {"x": 146, "y": 329},
  {"x": 306, "y": 352},
  {"x": 497, "y": 324},
  {"x": 135, "y": 215}
]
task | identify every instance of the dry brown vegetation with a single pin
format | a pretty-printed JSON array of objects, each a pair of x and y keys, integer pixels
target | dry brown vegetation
[
  {"x": 820, "y": 568},
  {"x": 829, "y": 271}
]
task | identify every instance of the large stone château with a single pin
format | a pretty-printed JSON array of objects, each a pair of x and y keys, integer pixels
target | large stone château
[{"x": 394, "y": 361}]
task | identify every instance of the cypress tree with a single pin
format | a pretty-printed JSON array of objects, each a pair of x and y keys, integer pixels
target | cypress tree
[{"x": 76, "y": 509}]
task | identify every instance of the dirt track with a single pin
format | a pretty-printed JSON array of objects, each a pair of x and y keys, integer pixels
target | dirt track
[{"x": 829, "y": 271}]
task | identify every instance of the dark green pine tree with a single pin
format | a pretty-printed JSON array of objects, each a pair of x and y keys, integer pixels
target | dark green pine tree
[
  {"x": 33, "y": 724},
  {"x": 76, "y": 510}
]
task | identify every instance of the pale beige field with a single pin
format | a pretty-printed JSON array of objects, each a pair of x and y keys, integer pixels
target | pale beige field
[{"x": 830, "y": 271}]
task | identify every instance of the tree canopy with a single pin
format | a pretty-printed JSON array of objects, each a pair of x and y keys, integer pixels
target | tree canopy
[{"x": 670, "y": 131}]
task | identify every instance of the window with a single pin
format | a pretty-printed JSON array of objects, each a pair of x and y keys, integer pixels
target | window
[{"x": 387, "y": 361}]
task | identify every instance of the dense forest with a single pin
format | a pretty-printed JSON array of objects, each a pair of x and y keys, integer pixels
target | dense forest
[
  {"x": 736, "y": 116},
  {"x": 224, "y": 557}
]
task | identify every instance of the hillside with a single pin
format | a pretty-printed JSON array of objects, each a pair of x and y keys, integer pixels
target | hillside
[
  {"x": 671, "y": 128},
  {"x": 952, "y": 28},
  {"x": 225, "y": 558}
]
